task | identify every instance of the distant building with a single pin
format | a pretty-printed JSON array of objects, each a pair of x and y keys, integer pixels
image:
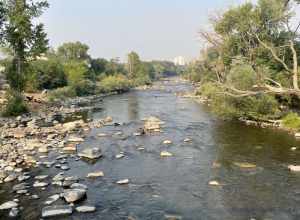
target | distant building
[{"x": 179, "y": 61}]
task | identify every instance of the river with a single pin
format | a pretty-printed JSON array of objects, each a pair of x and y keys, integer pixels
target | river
[{"x": 178, "y": 186}]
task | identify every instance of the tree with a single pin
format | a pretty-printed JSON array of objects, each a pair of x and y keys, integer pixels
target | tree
[
  {"x": 26, "y": 39},
  {"x": 133, "y": 64},
  {"x": 73, "y": 51}
]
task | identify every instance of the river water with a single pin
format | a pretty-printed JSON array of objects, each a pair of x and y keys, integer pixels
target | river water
[{"x": 179, "y": 185}]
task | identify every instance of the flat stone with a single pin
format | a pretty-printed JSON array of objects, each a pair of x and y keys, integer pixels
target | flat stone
[
  {"x": 91, "y": 153},
  {"x": 40, "y": 184},
  {"x": 41, "y": 177},
  {"x": 245, "y": 165},
  {"x": 8, "y": 205},
  {"x": 123, "y": 182},
  {"x": 14, "y": 212},
  {"x": 43, "y": 149},
  {"x": 119, "y": 156},
  {"x": 85, "y": 209},
  {"x": 95, "y": 174},
  {"x": 75, "y": 139},
  {"x": 11, "y": 178},
  {"x": 167, "y": 142},
  {"x": 172, "y": 217},
  {"x": 166, "y": 154},
  {"x": 74, "y": 195},
  {"x": 78, "y": 186},
  {"x": 52, "y": 199},
  {"x": 102, "y": 135},
  {"x": 214, "y": 183},
  {"x": 52, "y": 211},
  {"x": 294, "y": 168}
]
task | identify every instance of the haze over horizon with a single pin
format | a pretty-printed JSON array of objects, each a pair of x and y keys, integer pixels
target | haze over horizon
[{"x": 154, "y": 29}]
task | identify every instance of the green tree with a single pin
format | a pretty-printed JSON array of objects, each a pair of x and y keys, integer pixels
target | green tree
[
  {"x": 73, "y": 51},
  {"x": 133, "y": 64},
  {"x": 20, "y": 33}
]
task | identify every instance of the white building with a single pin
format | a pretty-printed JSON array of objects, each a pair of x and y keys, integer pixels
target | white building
[{"x": 179, "y": 61}]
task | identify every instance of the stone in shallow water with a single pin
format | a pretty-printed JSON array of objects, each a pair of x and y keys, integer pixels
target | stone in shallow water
[
  {"x": 52, "y": 211},
  {"x": 166, "y": 154},
  {"x": 173, "y": 217},
  {"x": 214, "y": 183},
  {"x": 167, "y": 142},
  {"x": 52, "y": 199},
  {"x": 78, "y": 186},
  {"x": 8, "y": 205},
  {"x": 75, "y": 139},
  {"x": 122, "y": 182},
  {"x": 85, "y": 208},
  {"x": 40, "y": 184},
  {"x": 294, "y": 168},
  {"x": 119, "y": 156},
  {"x": 95, "y": 174},
  {"x": 41, "y": 177},
  {"x": 14, "y": 212},
  {"x": 91, "y": 153},
  {"x": 11, "y": 178},
  {"x": 74, "y": 195},
  {"x": 245, "y": 165}
]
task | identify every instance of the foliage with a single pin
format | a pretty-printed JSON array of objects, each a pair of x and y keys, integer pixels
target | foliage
[
  {"x": 84, "y": 87},
  {"x": 76, "y": 72},
  {"x": 15, "y": 105},
  {"x": 46, "y": 74},
  {"x": 76, "y": 51},
  {"x": 62, "y": 93},
  {"x": 292, "y": 121},
  {"x": 115, "y": 83},
  {"x": 242, "y": 77}
]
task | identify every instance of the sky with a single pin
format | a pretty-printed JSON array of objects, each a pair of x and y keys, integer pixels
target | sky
[{"x": 155, "y": 29}]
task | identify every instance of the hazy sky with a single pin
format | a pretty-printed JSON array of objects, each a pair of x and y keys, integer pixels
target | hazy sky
[{"x": 156, "y": 29}]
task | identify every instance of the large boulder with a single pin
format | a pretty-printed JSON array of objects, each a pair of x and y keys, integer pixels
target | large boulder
[{"x": 91, "y": 153}]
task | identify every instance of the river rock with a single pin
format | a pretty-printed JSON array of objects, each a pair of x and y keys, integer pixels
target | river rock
[
  {"x": 75, "y": 139},
  {"x": 119, "y": 156},
  {"x": 153, "y": 124},
  {"x": 70, "y": 126},
  {"x": 52, "y": 199},
  {"x": 294, "y": 168},
  {"x": 91, "y": 153},
  {"x": 166, "y": 154},
  {"x": 85, "y": 209},
  {"x": 123, "y": 182},
  {"x": 167, "y": 142},
  {"x": 52, "y": 211},
  {"x": 245, "y": 165},
  {"x": 41, "y": 177},
  {"x": 78, "y": 186},
  {"x": 40, "y": 184},
  {"x": 214, "y": 183},
  {"x": 95, "y": 174},
  {"x": 74, "y": 195},
  {"x": 8, "y": 205},
  {"x": 11, "y": 178},
  {"x": 43, "y": 149},
  {"x": 172, "y": 217},
  {"x": 14, "y": 212}
]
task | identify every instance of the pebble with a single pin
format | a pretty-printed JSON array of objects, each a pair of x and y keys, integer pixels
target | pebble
[
  {"x": 166, "y": 154},
  {"x": 85, "y": 209},
  {"x": 95, "y": 174},
  {"x": 123, "y": 182}
]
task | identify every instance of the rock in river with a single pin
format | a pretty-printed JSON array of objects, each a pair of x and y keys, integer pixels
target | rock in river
[
  {"x": 294, "y": 168},
  {"x": 91, "y": 153},
  {"x": 85, "y": 208},
  {"x": 95, "y": 174},
  {"x": 166, "y": 154},
  {"x": 74, "y": 195},
  {"x": 123, "y": 182},
  {"x": 8, "y": 205},
  {"x": 52, "y": 211}
]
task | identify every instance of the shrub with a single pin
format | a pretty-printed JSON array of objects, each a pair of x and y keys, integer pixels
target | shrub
[
  {"x": 291, "y": 121},
  {"x": 15, "y": 105},
  {"x": 242, "y": 77},
  {"x": 76, "y": 72},
  {"x": 84, "y": 87},
  {"x": 208, "y": 90},
  {"x": 114, "y": 83},
  {"x": 142, "y": 80},
  {"x": 46, "y": 74},
  {"x": 61, "y": 93}
]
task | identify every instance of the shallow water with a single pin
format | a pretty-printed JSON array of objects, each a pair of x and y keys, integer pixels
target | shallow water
[{"x": 179, "y": 185}]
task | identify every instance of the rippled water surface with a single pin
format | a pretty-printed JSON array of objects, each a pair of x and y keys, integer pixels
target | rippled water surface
[{"x": 179, "y": 185}]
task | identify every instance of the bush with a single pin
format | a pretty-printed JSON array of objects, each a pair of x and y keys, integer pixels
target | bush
[
  {"x": 76, "y": 72},
  {"x": 208, "y": 90},
  {"x": 242, "y": 77},
  {"x": 15, "y": 105},
  {"x": 84, "y": 87},
  {"x": 292, "y": 121},
  {"x": 46, "y": 74},
  {"x": 61, "y": 93},
  {"x": 115, "y": 83},
  {"x": 142, "y": 80}
]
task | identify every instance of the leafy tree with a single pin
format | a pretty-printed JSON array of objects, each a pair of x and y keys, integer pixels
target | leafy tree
[
  {"x": 27, "y": 40},
  {"x": 73, "y": 51},
  {"x": 133, "y": 64},
  {"x": 98, "y": 66}
]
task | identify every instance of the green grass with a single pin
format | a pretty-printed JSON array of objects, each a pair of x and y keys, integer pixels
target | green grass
[{"x": 291, "y": 121}]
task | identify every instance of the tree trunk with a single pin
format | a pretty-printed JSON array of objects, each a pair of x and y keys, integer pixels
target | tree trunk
[{"x": 295, "y": 66}]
